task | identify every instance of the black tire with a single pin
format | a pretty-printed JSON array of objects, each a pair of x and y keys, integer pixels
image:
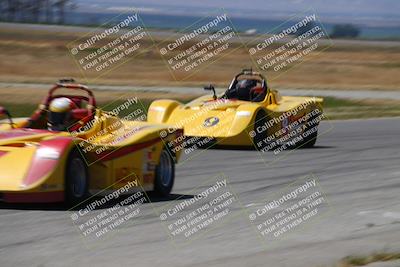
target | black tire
[
  {"x": 260, "y": 120},
  {"x": 311, "y": 139},
  {"x": 76, "y": 180},
  {"x": 165, "y": 174}
]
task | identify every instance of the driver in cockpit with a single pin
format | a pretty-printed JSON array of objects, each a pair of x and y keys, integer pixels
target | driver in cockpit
[
  {"x": 242, "y": 89},
  {"x": 60, "y": 115}
]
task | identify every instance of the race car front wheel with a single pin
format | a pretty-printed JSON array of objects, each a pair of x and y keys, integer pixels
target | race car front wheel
[
  {"x": 165, "y": 174},
  {"x": 259, "y": 136},
  {"x": 76, "y": 180}
]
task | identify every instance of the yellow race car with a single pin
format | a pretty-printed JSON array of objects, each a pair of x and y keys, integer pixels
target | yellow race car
[
  {"x": 69, "y": 148},
  {"x": 248, "y": 113}
]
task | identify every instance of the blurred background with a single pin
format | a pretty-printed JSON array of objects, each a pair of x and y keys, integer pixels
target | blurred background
[
  {"x": 359, "y": 56},
  {"x": 355, "y": 68}
]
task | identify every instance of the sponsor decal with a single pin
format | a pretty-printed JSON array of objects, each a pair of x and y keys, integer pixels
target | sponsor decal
[{"x": 209, "y": 122}]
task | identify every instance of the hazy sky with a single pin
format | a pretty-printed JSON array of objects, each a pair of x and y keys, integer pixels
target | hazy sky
[{"x": 372, "y": 12}]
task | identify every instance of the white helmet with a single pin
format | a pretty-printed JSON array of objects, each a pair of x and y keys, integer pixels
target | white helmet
[{"x": 59, "y": 114}]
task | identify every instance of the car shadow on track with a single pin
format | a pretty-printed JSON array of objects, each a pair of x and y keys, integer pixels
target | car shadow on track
[
  {"x": 251, "y": 148},
  {"x": 319, "y": 147},
  {"x": 150, "y": 198},
  {"x": 154, "y": 198},
  {"x": 32, "y": 206}
]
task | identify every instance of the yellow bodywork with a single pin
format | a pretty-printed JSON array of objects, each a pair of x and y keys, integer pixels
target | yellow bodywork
[
  {"x": 112, "y": 171},
  {"x": 228, "y": 121}
]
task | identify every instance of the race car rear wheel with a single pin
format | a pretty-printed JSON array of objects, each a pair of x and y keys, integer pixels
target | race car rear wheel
[
  {"x": 312, "y": 129},
  {"x": 310, "y": 140},
  {"x": 76, "y": 179},
  {"x": 165, "y": 174}
]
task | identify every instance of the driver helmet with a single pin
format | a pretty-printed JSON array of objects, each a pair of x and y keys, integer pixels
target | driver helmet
[
  {"x": 243, "y": 88},
  {"x": 59, "y": 118}
]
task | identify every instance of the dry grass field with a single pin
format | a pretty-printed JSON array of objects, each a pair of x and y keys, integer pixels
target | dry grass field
[{"x": 39, "y": 56}]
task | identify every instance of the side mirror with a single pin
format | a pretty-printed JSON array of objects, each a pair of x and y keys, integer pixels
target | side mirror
[
  {"x": 211, "y": 88},
  {"x": 4, "y": 112}
]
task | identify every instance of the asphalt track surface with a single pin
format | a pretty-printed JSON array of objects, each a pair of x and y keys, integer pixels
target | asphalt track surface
[{"x": 357, "y": 163}]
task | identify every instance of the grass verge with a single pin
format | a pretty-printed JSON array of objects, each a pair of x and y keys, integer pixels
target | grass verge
[
  {"x": 334, "y": 108},
  {"x": 360, "y": 260},
  {"x": 342, "y": 109}
]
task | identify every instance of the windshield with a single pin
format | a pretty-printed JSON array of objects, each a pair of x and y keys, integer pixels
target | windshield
[{"x": 246, "y": 90}]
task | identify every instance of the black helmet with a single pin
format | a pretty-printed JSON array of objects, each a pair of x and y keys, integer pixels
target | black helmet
[{"x": 243, "y": 88}]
